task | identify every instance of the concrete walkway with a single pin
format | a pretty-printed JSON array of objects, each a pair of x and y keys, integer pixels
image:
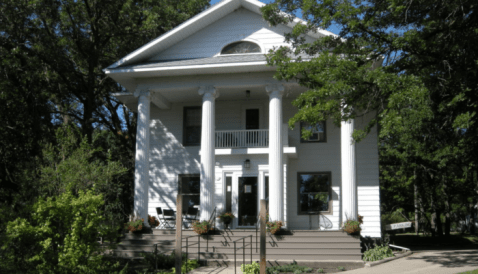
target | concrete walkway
[{"x": 435, "y": 262}]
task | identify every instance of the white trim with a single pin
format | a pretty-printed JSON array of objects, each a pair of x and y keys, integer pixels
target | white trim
[
  {"x": 291, "y": 151},
  {"x": 185, "y": 67},
  {"x": 194, "y": 25},
  {"x": 232, "y": 40}
]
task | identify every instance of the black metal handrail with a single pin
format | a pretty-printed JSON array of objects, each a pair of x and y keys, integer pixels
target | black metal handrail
[
  {"x": 212, "y": 219},
  {"x": 187, "y": 249},
  {"x": 243, "y": 251}
]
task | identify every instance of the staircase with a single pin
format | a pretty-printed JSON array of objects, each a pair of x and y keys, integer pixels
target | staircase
[{"x": 294, "y": 245}]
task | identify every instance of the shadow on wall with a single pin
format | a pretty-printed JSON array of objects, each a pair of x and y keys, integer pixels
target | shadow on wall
[{"x": 168, "y": 158}]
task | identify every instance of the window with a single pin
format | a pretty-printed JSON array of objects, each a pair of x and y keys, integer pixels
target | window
[
  {"x": 318, "y": 132},
  {"x": 241, "y": 47},
  {"x": 189, "y": 186},
  {"x": 192, "y": 126},
  {"x": 314, "y": 191}
]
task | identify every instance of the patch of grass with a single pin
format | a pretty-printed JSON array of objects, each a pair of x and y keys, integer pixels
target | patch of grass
[{"x": 470, "y": 272}]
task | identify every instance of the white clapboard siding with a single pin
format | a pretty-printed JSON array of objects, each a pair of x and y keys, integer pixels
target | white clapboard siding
[{"x": 239, "y": 25}]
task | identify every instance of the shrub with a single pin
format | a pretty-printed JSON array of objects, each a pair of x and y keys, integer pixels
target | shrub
[
  {"x": 163, "y": 261},
  {"x": 60, "y": 237},
  {"x": 253, "y": 268},
  {"x": 202, "y": 227},
  {"x": 341, "y": 268},
  {"x": 377, "y": 253},
  {"x": 320, "y": 270}
]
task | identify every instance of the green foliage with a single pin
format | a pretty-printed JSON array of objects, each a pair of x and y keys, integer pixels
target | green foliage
[
  {"x": 341, "y": 268},
  {"x": 320, "y": 270},
  {"x": 274, "y": 226},
  {"x": 202, "y": 227},
  {"x": 292, "y": 268},
  {"x": 253, "y": 268},
  {"x": 135, "y": 225},
  {"x": 394, "y": 73},
  {"x": 377, "y": 253},
  {"x": 61, "y": 236},
  {"x": 164, "y": 261}
]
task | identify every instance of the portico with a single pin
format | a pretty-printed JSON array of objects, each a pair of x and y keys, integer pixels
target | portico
[{"x": 212, "y": 126}]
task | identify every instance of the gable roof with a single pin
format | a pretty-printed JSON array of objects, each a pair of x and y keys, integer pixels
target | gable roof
[{"x": 191, "y": 26}]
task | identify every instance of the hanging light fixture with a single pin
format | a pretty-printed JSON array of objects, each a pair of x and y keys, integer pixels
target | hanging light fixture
[
  {"x": 247, "y": 164},
  {"x": 248, "y": 93}
]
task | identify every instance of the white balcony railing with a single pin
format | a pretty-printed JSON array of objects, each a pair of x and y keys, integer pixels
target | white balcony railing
[{"x": 242, "y": 138}]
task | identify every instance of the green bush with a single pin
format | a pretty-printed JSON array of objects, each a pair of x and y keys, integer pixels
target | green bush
[
  {"x": 60, "y": 237},
  {"x": 164, "y": 261},
  {"x": 341, "y": 268},
  {"x": 377, "y": 253},
  {"x": 253, "y": 268},
  {"x": 320, "y": 270}
]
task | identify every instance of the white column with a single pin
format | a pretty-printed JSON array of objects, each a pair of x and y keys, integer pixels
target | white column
[
  {"x": 208, "y": 158},
  {"x": 141, "y": 170},
  {"x": 349, "y": 185},
  {"x": 276, "y": 174}
]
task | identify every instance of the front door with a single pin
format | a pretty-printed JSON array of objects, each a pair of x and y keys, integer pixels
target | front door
[{"x": 247, "y": 201}]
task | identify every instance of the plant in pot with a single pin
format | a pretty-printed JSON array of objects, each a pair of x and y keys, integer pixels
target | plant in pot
[
  {"x": 226, "y": 218},
  {"x": 274, "y": 226},
  {"x": 352, "y": 226},
  {"x": 202, "y": 227},
  {"x": 135, "y": 225},
  {"x": 152, "y": 221}
]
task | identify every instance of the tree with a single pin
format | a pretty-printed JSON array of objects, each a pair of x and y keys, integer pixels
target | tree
[
  {"x": 53, "y": 53},
  {"x": 423, "y": 95}
]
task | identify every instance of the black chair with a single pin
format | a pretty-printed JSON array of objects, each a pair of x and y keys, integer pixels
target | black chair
[
  {"x": 191, "y": 215},
  {"x": 169, "y": 218},
  {"x": 165, "y": 217}
]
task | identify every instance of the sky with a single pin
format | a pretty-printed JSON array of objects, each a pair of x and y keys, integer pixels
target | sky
[{"x": 332, "y": 29}]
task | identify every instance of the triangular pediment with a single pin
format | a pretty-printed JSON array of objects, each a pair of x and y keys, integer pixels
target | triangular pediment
[{"x": 205, "y": 34}]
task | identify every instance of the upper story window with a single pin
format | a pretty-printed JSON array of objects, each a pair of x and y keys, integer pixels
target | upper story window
[
  {"x": 241, "y": 47},
  {"x": 192, "y": 126},
  {"x": 318, "y": 132}
]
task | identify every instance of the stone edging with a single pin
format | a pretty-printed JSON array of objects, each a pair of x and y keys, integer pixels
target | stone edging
[{"x": 398, "y": 256}]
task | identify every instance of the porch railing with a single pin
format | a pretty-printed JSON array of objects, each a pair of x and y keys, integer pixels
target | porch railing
[{"x": 242, "y": 138}]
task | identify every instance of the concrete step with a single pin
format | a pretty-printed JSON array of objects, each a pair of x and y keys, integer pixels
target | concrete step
[
  {"x": 214, "y": 240},
  {"x": 269, "y": 245},
  {"x": 255, "y": 257},
  {"x": 294, "y": 244}
]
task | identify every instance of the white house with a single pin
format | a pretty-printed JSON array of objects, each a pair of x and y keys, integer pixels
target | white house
[{"x": 212, "y": 124}]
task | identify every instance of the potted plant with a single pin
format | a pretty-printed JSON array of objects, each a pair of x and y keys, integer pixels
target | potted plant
[
  {"x": 226, "y": 218},
  {"x": 153, "y": 222},
  {"x": 201, "y": 227},
  {"x": 274, "y": 226},
  {"x": 135, "y": 225},
  {"x": 352, "y": 227}
]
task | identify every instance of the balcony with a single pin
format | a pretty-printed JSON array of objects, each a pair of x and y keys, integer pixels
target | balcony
[{"x": 253, "y": 138}]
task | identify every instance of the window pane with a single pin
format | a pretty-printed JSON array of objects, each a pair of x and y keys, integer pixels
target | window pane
[
  {"x": 192, "y": 126},
  {"x": 189, "y": 186},
  {"x": 314, "y": 192},
  {"x": 241, "y": 47},
  {"x": 318, "y": 131}
]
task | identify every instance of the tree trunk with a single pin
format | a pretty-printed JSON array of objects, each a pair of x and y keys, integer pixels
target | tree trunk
[
  {"x": 439, "y": 224},
  {"x": 417, "y": 215}
]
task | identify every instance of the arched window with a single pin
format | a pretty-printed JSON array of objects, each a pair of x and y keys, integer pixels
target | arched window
[{"x": 241, "y": 47}]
